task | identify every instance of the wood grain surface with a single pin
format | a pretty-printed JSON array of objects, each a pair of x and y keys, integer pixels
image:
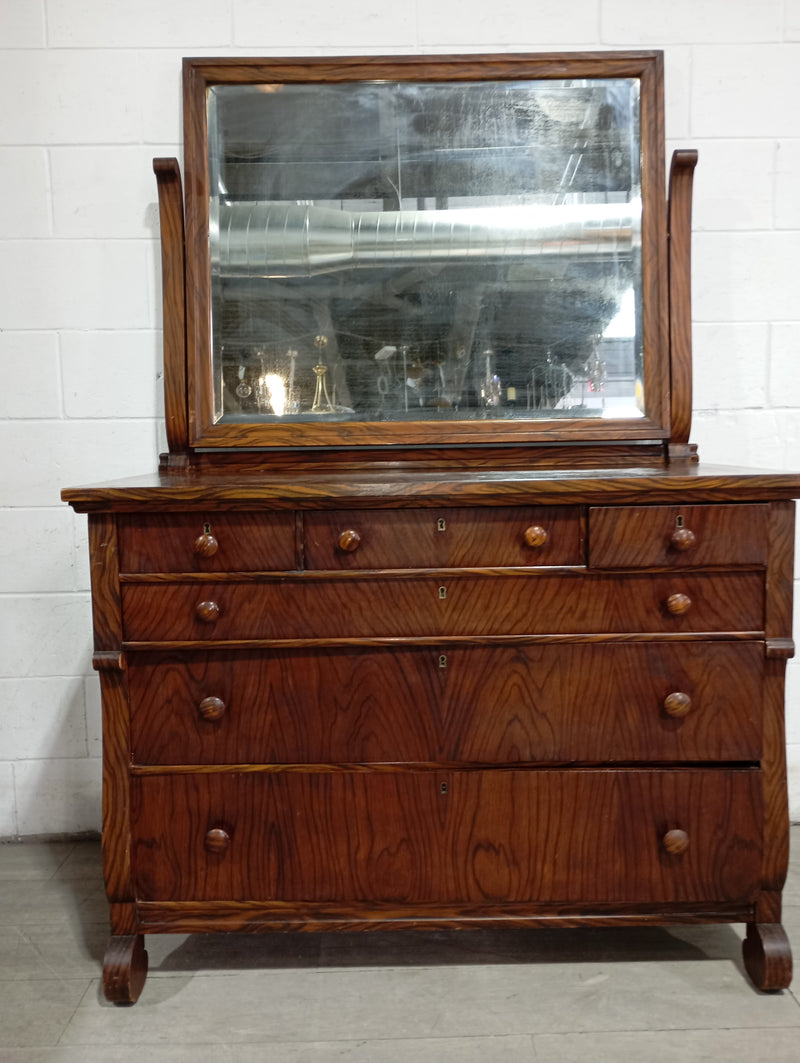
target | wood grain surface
[
  {"x": 679, "y": 224},
  {"x": 449, "y": 538},
  {"x": 449, "y": 836},
  {"x": 173, "y": 286},
  {"x": 476, "y": 704},
  {"x": 623, "y": 536},
  {"x": 493, "y": 603},
  {"x": 382, "y": 487},
  {"x": 245, "y": 541}
]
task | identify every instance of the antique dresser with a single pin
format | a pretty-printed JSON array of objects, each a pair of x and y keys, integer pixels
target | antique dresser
[{"x": 431, "y": 616}]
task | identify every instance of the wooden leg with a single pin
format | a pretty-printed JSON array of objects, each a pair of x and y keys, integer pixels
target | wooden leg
[
  {"x": 767, "y": 956},
  {"x": 124, "y": 968}
]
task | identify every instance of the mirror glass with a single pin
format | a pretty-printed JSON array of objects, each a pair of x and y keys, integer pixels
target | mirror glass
[{"x": 419, "y": 251}]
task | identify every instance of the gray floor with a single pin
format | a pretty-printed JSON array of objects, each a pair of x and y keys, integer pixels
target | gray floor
[{"x": 645, "y": 995}]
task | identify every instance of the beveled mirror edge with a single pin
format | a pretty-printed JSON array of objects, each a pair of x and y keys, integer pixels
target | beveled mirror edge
[{"x": 201, "y": 73}]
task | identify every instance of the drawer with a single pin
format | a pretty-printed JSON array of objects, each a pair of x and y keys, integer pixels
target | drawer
[
  {"x": 482, "y": 704},
  {"x": 349, "y": 607},
  {"x": 450, "y": 837},
  {"x": 443, "y": 538},
  {"x": 207, "y": 542},
  {"x": 637, "y": 536}
]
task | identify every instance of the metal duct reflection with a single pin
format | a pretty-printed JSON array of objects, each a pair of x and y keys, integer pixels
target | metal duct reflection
[{"x": 279, "y": 240}]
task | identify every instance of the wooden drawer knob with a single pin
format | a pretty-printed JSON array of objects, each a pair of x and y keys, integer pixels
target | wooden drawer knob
[
  {"x": 205, "y": 545},
  {"x": 217, "y": 840},
  {"x": 349, "y": 540},
  {"x": 678, "y": 604},
  {"x": 682, "y": 539},
  {"x": 677, "y": 704},
  {"x": 208, "y": 612},
  {"x": 211, "y": 709},
  {"x": 676, "y": 842},
  {"x": 535, "y": 536}
]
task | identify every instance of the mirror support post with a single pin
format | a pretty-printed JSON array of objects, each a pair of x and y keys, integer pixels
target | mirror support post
[
  {"x": 173, "y": 285},
  {"x": 679, "y": 224}
]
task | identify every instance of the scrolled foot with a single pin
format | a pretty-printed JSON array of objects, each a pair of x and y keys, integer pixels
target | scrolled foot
[
  {"x": 767, "y": 956},
  {"x": 124, "y": 968}
]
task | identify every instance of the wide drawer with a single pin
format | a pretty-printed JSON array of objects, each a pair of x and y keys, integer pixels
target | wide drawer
[
  {"x": 481, "y": 704},
  {"x": 631, "y": 536},
  {"x": 207, "y": 542},
  {"x": 535, "y": 603},
  {"x": 449, "y": 836},
  {"x": 445, "y": 538}
]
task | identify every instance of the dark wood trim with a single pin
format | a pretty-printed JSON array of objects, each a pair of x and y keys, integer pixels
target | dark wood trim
[
  {"x": 681, "y": 176},
  {"x": 242, "y": 917},
  {"x": 173, "y": 285},
  {"x": 124, "y": 968},
  {"x": 374, "y": 488},
  {"x": 423, "y": 433},
  {"x": 767, "y": 956},
  {"x": 782, "y": 648},
  {"x": 778, "y": 625},
  {"x": 547, "y": 455},
  {"x": 106, "y": 611},
  {"x": 654, "y": 244},
  {"x": 247, "y": 70},
  {"x": 109, "y": 659},
  {"x": 439, "y": 640},
  {"x": 198, "y": 262},
  {"x": 401, "y": 768}
]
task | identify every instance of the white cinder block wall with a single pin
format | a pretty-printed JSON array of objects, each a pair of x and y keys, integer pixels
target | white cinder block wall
[{"x": 91, "y": 92}]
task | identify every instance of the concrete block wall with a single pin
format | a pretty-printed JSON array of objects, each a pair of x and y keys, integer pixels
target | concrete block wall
[{"x": 91, "y": 92}]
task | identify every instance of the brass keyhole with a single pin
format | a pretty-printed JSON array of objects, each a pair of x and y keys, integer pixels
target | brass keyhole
[
  {"x": 206, "y": 528},
  {"x": 442, "y": 593},
  {"x": 443, "y": 788},
  {"x": 679, "y": 522},
  {"x": 442, "y": 661},
  {"x": 441, "y": 524}
]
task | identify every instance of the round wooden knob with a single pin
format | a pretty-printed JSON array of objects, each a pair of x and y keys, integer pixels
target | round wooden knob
[
  {"x": 676, "y": 842},
  {"x": 535, "y": 536},
  {"x": 205, "y": 545},
  {"x": 349, "y": 540},
  {"x": 217, "y": 840},
  {"x": 211, "y": 709},
  {"x": 677, "y": 704},
  {"x": 678, "y": 604},
  {"x": 208, "y": 612},
  {"x": 682, "y": 539}
]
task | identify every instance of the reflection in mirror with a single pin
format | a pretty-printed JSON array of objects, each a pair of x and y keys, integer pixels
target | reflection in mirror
[{"x": 391, "y": 251}]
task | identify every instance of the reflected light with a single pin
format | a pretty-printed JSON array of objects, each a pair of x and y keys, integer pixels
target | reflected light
[
  {"x": 623, "y": 326},
  {"x": 621, "y": 411},
  {"x": 276, "y": 390}
]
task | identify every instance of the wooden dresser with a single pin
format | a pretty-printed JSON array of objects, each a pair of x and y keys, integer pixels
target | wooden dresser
[{"x": 501, "y": 671}]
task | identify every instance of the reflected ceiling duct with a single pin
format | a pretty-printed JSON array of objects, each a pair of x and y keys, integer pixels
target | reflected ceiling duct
[{"x": 280, "y": 240}]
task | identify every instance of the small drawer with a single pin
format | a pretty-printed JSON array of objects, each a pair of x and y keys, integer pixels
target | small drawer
[
  {"x": 443, "y": 538},
  {"x": 509, "y": 604},
  {"x": 449, "y": 837},
  {"x": 680, "y": 536},
  {"x": 207, "y": 542}
]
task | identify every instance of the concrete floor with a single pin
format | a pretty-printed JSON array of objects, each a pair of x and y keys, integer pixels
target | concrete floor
[{"x": 645, "y": 995}]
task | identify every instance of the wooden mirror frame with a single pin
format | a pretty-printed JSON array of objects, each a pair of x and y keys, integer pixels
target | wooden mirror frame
[{"x": 190, "y": 423}]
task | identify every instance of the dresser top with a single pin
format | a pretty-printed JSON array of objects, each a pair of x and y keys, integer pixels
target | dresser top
[{"x": 391, "y": 486}]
